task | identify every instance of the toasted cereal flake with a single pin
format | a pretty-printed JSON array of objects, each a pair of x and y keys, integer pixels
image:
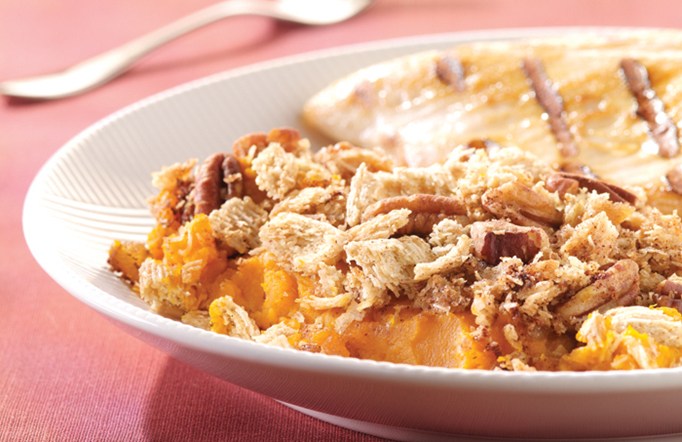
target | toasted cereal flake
[
  {"x": 230, "y": 319},
  {"x": 343, "y": 159},
  {"x": 661, "y": 240},
  {"x": 352, "y": 314},
  {"x": 329, "y": 201},
  {"x": 536, "y": 298},
  {"x": 519, "y": 365},
  {"x": 364, "y": 292},
  {"x": 301, "y": 243},
  {"x": 368, "y": 187},
  {"x": 493, "y": 284},
  {"x": 327, "y": 302},
  {"x": 512, "y": 337},
  {"x": 592, "y": 239},
  {"x": 276, "y": 335},
  {"x": 443, "y": 295},
  {"x": 168, "y": 177},
  {"x": 662, "y": 325},
  {"x": 449, "y": 262},
  {"x": 276, "y": 171},
  {"x": 445, "y": 234},
  {"x": 389, "y": 263},
  {"x": 197, "y": 318},
  {"x": 159, "y": 285},
  {"x": 328, "y": 290},
  {"x": 380, "y": 227},
  {"x": 237, "y": 223},
  {"x": 330, "y": 280},
  {"x": 279, "y": 172}
]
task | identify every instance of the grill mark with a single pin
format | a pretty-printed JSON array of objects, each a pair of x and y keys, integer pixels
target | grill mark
[
  {"x": 552, "y": 103},
  {"x": 450, "y": 71},
  {"x": 674, "y": 178},
  {"x": 650, "y": 108}
]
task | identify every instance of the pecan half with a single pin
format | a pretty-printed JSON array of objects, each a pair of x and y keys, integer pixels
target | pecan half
[
  {"x": 493, "y": 240},
  {"x": 242, "y": 146},
  {"x": 522, "y": 205},
  {"x": 288, "y": 138},
  {"x": 208, "y": 183},
  {"x": 427, "y": 210},
  {"x": 616, "y": 194},
  {"x": 219, "y": 178},
  {"x": 619, "y": 283},
  {"x": 669, "y": 293}
]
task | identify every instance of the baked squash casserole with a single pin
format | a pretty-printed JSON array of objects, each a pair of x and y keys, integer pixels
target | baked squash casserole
[{"x": 490, "y": 259}]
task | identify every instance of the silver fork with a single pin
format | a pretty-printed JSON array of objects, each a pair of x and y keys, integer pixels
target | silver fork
[{"x": 101, "y": 68}]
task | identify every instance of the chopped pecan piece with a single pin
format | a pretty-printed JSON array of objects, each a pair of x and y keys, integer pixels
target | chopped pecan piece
[
  {"x": 426, "y": 211},
  {"x": 671, "y": 287},
  {"x": 343, "y": 159},
  {"x": 522, "y": 205},
  {"x": 619, "y": 283},
  {"x": 485, "y": 144},
  {"x": 669, "y": 293},
  {"x": 219, "y": 179},
  {"x": 232, "y": 177},
  {"x": 184, "y": 209},
  {"x": 493, "y": 240},
  {"x": 578, "y": 168},
  {"x": 615, "y": 193},
  {"x": 288, "y": 138},
  {"x": 450, "y": 72},
  {"x": 561, "y": 184}
]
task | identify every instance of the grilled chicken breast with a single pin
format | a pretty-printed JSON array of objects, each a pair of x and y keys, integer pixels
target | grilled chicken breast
[{"x": 611, "y": 104}]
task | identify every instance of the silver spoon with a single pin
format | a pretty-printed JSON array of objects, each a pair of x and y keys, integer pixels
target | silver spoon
[{"x": 99, "y": 69}]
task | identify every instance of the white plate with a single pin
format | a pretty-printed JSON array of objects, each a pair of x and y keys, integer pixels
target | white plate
[{"x": 94, "y": 190}]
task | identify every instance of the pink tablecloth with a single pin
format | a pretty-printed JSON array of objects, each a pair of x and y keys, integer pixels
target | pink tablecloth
[{"x": 66, "y": 373}]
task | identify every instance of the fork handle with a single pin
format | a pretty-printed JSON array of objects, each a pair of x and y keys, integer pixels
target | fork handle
[{"x": 101, "y": 68}]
